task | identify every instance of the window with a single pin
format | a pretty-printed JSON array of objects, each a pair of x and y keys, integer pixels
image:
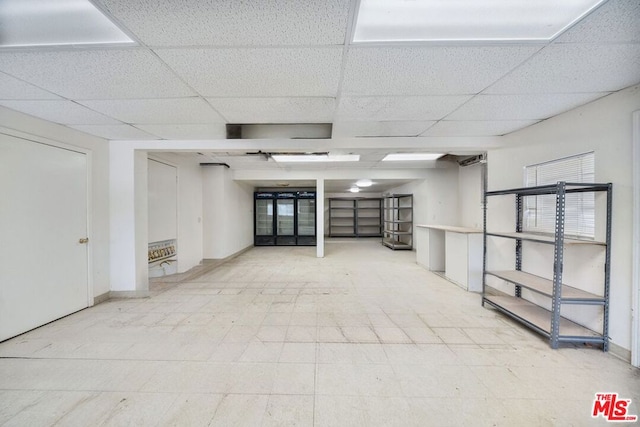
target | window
[{"x": 540, "y": 211}]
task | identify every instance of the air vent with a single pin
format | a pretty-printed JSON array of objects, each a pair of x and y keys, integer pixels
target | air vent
[{"x": 279, "y": 131}]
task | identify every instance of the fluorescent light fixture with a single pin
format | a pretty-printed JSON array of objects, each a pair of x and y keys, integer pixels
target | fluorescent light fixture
[
  {"x": 411, "y": 156},
  {"x": 30, "y": 23},
  {"x": 316, "y": 157},
  {"x": 470, "y": 20},
  {"x": 354, "y": 189},
  {"x": 364, "y": 183}
]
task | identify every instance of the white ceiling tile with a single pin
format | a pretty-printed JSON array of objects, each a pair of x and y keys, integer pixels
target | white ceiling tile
[
  {"x": 189, "y": 131},
  {"x": 275, "y": 110},
  {"x": 614, "y": 21},
  {"x": 436, "y": 70},
  {"x": 409, "y": 108},
  {"x": 157, "y": 111},
  {"x": 115, "y": 132},
  {"x": 520, "y": 107},
  {"x": 476, "y": 128},
  {"x": 12, "y": 88},
  {"x": 391, "y": 128},
  {"x": 97, "y": 74},
  {"x": 64, "y": 112},
  {"x": 567, "y": 68},
  {"x": 233, "y": 23},
  {"x": 258, "y": 72}
]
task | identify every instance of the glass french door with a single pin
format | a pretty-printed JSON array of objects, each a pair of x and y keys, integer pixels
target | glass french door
[
  {"x": 284, "y": 220},
  {"x": 264, "y": 217},
  {"x": 306, "y": 217}
]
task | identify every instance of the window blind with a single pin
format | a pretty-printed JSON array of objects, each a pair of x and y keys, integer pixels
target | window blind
[{"x": 540, "y": 211}]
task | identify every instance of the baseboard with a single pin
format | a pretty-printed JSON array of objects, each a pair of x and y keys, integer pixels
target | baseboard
[
  {"x": 205, "y": 266},
  {"x": 101, "y": 298},
  {"x": 230, "y": 257},
  {"x": 128, "y": 294},
  {"x": 620, "y": 352}
]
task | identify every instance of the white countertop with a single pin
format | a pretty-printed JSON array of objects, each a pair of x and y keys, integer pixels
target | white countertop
[{"x": 452, "y": 228}]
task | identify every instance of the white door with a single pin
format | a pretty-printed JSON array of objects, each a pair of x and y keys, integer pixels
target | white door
[{"x": 43, "y": 216}]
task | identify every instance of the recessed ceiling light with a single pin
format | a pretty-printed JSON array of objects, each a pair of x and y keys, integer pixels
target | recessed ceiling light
[
  {"x": 354, "y": 189},
  {"x": 411, "y": 156},
  {"x": 471, "y": 20},
  {"x": 31, "y": 23},
  {"x": 316, "y": 157},
  {"x": 364, "y": 183}
]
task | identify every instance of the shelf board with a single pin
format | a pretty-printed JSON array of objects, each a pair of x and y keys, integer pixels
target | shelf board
[
  {"x": 539, "y": 318},
  {"x": 396, "y": 245},
  {"x": 570, "y": 187},
  {"x": 404, "y": 233},
  {"x": 541, "y": 238},
  {"x": 545, "y": 286},
  {"x": 397, "y": 222}
]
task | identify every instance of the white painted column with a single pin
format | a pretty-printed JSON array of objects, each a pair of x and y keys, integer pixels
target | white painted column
[
  {"x": 213, "y": 212},
  {"x": 320, "y": 218},
  {"x": 141, "y": 207},
  {"x": 128, "y": 220}
]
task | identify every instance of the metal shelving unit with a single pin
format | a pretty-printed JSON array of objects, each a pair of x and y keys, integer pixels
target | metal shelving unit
[
  {"x": 549, "y": 323},
  {"x": 355, "y": 217},
  {"x": 398, "y": 221},
  {"x": 342, "y": 217},
  {"x": 369, "y": 217}
]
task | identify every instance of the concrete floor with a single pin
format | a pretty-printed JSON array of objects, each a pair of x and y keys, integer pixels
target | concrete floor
[{"x": 363, "y": 337}]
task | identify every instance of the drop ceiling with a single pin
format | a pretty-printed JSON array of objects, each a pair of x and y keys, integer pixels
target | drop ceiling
[{"x": 200, "y": 65}]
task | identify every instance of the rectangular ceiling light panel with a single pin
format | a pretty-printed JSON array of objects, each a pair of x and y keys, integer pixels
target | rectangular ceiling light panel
[
  {"x": 467, "y": 20},
  {"x": 31, "y": 23},
  {"x": 411, "y": 156}
]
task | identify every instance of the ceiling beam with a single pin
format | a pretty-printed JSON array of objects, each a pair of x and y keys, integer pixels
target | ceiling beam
[{"x": 440, "y": 144}]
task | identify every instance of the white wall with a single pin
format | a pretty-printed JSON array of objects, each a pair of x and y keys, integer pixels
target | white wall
[
  {"x": 162, "y": 196},
  {"x": 227, "y": 213},
  {"x": 19, "y": 124},
  {"x": 435, "y": 199},
  {"x": 605, "y": 127},
  {"x": 470, "y": 195},
  {"x": 189, "y": 213}
]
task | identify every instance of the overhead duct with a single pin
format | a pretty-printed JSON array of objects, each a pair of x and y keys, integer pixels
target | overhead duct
[
  {"x": 472, "y": 160},
  {"x": 216, "y": 164},
  {"x": 279, "y": 131}
]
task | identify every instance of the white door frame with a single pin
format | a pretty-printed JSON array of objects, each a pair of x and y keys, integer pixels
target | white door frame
[
  {"x": 89, "y": 208},
  {"x": 635, "y": 253}
]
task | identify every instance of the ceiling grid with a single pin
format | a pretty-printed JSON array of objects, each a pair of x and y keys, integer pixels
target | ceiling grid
[{"x": 200, "y": 65}]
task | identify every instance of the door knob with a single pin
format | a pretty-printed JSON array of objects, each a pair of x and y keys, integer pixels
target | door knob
[{"x": 84, "y": 240}]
